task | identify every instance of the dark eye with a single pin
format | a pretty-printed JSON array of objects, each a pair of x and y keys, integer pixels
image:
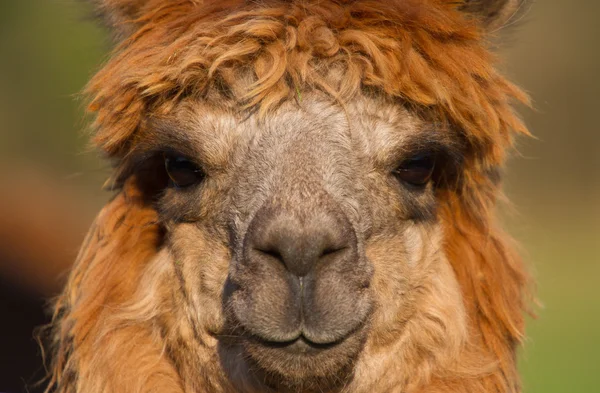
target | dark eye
[
  {"x": 417, "y": 170},
  {"x": 182, "y": 172}
]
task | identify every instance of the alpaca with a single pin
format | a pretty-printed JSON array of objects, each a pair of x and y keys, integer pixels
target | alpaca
[{"x": 305, "y": 196}]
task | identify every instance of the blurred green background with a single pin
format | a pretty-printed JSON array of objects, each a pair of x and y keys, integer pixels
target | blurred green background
[{"x": 50, "y": 48}]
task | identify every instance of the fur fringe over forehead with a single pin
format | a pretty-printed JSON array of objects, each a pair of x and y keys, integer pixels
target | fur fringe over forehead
[{"x": 257, "y": 54}]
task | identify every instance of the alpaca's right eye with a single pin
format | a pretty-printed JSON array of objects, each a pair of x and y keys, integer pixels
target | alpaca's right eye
[{"x": 182, "y": 172}]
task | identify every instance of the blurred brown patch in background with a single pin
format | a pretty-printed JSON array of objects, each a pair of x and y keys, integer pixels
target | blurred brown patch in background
[
  {"x": 43, "y": 221},
  {"x": 51, "y": 182}
]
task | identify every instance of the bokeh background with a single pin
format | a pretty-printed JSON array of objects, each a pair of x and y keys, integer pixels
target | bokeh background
[{"x": 50, "y": 180}]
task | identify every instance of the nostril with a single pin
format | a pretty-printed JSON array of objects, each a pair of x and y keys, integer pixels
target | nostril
[
  {"x": 333, "y": 251},
  {"x": 270, "y": 252}
]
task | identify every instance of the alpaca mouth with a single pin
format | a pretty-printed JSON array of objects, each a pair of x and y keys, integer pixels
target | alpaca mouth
[
  {"x": 296, "y": 365},
  {"x": 299, "y": 346}
]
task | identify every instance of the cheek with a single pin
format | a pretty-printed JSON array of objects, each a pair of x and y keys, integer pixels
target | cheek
[
  {"x": 201, "y": 261},
  {"x": 403, "y": 263}
]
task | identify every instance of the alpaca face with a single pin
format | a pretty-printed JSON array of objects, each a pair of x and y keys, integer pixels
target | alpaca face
[
  {"x": 306, "y": 197},
  {"x": 302, "y": 239}
]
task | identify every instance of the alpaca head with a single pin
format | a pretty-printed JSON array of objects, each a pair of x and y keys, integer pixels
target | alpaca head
[
  {"x": 306, "y": 195},
  {"x": 299, "y": 237}
]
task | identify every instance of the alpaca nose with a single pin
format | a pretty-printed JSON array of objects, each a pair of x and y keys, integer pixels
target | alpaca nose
[{"x": 301, "y": 241}]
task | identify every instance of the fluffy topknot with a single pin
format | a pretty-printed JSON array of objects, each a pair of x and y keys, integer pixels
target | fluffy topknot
[{"x": 427, "y": 53}]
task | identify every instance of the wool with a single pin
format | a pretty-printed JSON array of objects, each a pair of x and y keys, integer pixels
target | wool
[{"x": 429, "y": 55}]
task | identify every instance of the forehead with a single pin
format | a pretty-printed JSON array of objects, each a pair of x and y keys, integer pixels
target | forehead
[{"x": 372, "y": 126}]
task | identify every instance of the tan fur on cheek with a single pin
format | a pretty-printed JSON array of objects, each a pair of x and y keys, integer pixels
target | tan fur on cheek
[
  {"x": 419, "y": 328},
  {"x": 202, "y": 264}
]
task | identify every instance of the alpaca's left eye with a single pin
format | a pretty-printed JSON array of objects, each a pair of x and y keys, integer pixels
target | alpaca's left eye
[
  {"x": 182, "y": 172},
  {"x": 417, "y": 170}
]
